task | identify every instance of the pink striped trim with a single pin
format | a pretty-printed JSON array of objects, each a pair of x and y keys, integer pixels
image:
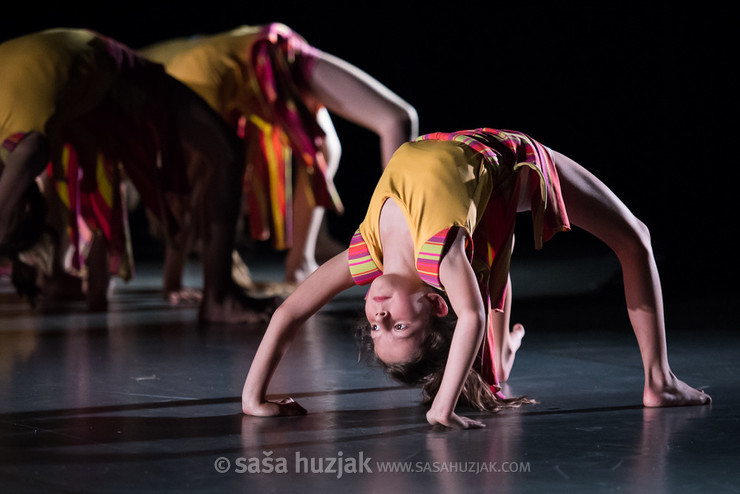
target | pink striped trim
[{"x": 361, "y": 264}]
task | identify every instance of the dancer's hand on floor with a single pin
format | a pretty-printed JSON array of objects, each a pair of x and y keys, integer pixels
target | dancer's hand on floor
[
  {"x": 453, "y": 421},
  {"x": 286, "y": 407}
]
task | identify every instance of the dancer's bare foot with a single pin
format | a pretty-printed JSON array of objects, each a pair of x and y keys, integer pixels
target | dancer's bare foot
[
  {"x": 296, "y": 272},
  {"x": 672, "y": 392},
  {"x": 240, "y": 272},
  {"x": 184, "y": 296},
  {"x": 260, "y": 289},
  {"x": 236, "y": 307},
  {"x": 506, "y": 354},
  {"x": 65, "y": 287}
]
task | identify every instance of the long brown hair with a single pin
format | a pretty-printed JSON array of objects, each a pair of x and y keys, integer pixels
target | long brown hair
[{"x": 428, "y": 367}]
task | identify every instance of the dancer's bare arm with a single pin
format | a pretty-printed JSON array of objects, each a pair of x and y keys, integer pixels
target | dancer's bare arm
[
  {"x": 460, "y": 282},
  {"x": 318, "y": 289},
  {"x": 355, "y": 95}
]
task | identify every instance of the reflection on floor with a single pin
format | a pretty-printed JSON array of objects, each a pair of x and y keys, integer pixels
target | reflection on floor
[{"x": 143, "y": 399}]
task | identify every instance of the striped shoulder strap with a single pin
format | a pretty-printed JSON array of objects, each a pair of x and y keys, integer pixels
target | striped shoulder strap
[
  {"x": 364, "y": 270},
  {"x": 361, "y": 264},
  {"x": 430, "y": 255}
]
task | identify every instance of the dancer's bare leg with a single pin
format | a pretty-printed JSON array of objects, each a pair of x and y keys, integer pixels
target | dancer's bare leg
[
  {"x": 98, "y": 274},
  {"x": 21, "y": 168},
  {"x": 307, "y": 218},
  {"x": 506, "y": 341},
  {"x": 174, "y": 266},
  {"x": 595, "y": 208},
  {"x": 175, "y": 258},
  {"x": 203, "y": 129},
  {"x": 300, "y": 261}
]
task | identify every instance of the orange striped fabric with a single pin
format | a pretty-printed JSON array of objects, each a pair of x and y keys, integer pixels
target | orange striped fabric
[
  {"x": 283, "y": 129},
  {"x": 361, "y": 264},
  {"x": 364, "y": 269},
  {"x": 430, "y": 255},
  {"x": 94, "y": 203}
]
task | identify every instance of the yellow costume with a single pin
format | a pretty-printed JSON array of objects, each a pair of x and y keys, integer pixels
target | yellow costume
[
  {"x": 54, "y": 73},
  {"x": 103, "y": 110},
  {"x": 466, "y": 179},
  {"x": 256, "y": 79}
]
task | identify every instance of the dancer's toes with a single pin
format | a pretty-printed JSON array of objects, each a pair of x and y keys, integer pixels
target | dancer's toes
[
  {"x": 515, "y": 336},
  {"x": 239, "y": 309},
  {"x": 184, "y": 296},
  {"x": 674, "y": 393}
]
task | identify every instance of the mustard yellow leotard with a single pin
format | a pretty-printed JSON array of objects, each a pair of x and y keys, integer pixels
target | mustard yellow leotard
[
  {"x": 469, "y": 180},
  {"x": 256, "y": 77},
  {"x": 103, "y": 109},
  {"x": 45, "y": 72}
]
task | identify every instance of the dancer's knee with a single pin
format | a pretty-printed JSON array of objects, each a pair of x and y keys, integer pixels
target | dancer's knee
[{"x": 634, "y": 240}]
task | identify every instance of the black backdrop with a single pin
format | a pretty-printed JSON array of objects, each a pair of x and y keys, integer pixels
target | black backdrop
[{"x": 641, "y": 93}]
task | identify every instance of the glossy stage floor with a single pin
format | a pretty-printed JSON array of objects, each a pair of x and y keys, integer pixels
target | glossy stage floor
[{"x": 143, "y": 399}]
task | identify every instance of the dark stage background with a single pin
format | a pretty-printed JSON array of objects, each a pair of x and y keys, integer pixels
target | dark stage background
[{"x": 641, "y": 93}]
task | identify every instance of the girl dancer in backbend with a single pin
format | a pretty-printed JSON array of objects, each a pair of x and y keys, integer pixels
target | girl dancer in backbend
[{"x": 439, "y": 197}]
